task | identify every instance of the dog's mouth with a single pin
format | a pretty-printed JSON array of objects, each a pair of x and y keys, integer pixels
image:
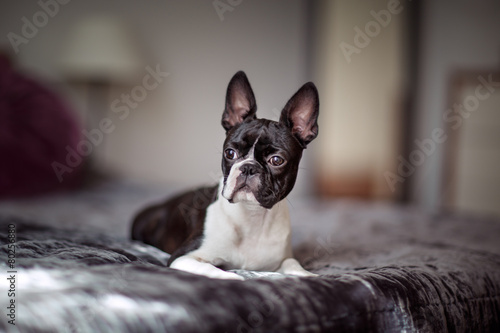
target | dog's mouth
[
  {"x": 237, "y": 192},
  {"x": 243, "y": 188},
  {"x": 241, "y": 192}
]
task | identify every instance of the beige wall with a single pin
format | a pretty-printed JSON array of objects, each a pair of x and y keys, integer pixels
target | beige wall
[
  {"x": 360, "y": 92},
  {"x": 174, "y": 136}
]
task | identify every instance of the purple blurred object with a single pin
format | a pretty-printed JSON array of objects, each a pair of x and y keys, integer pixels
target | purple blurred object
[{"x": 36, "y": 129}]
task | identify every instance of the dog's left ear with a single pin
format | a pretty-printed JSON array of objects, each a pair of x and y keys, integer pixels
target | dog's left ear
[
  {"x": 301, "y": 112},
  {"x": 240, "y": 102}
]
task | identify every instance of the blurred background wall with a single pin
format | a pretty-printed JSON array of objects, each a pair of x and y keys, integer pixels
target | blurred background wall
[
  {"x": 459, "y": 40},
  {"x": 387, "y": 74},
  {"x": 174, "y": 135},
  {"x": 359, "y": 61}
]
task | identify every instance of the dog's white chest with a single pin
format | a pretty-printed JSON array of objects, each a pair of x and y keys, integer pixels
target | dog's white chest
[
  {"x": 257, "y": 251},
  {"x": 241, "y": 238}
]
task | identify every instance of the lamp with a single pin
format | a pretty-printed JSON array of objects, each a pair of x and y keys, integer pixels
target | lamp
[
  {"x": 101, "y": 49},
  {"x": 100, "y": 52}
]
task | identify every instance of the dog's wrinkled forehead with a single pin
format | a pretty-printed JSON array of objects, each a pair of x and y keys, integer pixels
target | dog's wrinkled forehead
[{"x": 262, "y": 134}]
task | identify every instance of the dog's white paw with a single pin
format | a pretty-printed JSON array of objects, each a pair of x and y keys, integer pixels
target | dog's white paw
[
  {"x": 291, "y": 266},
  {"x": 225, "y": 276},
  {"x": 302, "y": 273},
  {"x": 188, "y": 264},
  {"x": 229, "y": 276}
]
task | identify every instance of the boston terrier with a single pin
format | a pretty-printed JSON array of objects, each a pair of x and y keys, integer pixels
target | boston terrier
[{"x": 243, "y": 222}]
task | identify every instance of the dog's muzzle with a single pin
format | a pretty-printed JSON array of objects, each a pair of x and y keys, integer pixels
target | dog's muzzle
[{"x": 244, "y": 179}]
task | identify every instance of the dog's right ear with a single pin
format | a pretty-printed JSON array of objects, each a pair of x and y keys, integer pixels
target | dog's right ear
[
  {"x": 301, "y": 112},
  {"x": 240, "y": 102}
]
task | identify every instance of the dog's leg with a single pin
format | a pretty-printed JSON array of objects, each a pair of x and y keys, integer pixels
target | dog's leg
[
  {"x": 292, "y": 267},
  {"x": 191, "y": 265}
]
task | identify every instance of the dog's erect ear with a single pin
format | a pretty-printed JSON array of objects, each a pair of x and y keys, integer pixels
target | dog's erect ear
[
  {"x": 301, "y": 112},
  {"x": 240, "y": 102}
]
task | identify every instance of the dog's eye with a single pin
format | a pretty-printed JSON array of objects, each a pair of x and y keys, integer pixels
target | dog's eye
[
  {"x": 276, "y": 161},
  {"x": 230, "y": 154}
]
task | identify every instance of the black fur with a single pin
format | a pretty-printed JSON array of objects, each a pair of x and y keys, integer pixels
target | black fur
[{"x": 175, "y": 226}]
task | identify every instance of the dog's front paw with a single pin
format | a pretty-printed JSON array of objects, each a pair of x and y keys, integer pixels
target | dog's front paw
[
  {"x": 224, "y": 275},
  {"x": 291, "y": 266},
  {"x": 302, "y": 273},
  {"x": 191, "y": 265}
]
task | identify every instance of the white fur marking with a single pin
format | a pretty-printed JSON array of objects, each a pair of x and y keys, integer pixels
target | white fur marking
[
  {"x": 228, "y": 191},
  {"x": 262, "y": 235}
]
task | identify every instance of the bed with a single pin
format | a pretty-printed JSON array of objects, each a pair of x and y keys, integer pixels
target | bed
[
  {"x": 381, "y": 267},
  {"x": 68, "y": 264}
]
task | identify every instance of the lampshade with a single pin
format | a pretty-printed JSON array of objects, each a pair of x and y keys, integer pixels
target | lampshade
[{"x": 101, "y": 49}]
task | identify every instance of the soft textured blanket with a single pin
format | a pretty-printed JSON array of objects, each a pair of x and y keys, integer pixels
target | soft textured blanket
[{"x": 382, "y": 269}]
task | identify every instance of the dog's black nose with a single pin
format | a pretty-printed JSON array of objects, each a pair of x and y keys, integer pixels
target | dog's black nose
[{"x": 249, "y": 169}]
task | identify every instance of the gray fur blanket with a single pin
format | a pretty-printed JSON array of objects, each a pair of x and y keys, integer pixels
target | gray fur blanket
[{"x": 382, "y": 268}]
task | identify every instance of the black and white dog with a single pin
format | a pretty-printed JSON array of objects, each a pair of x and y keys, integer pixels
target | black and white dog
[{"x": 243, "y": 222}]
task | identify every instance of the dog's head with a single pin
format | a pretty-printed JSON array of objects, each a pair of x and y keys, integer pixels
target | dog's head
[{"x": 260, "y": 156}]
